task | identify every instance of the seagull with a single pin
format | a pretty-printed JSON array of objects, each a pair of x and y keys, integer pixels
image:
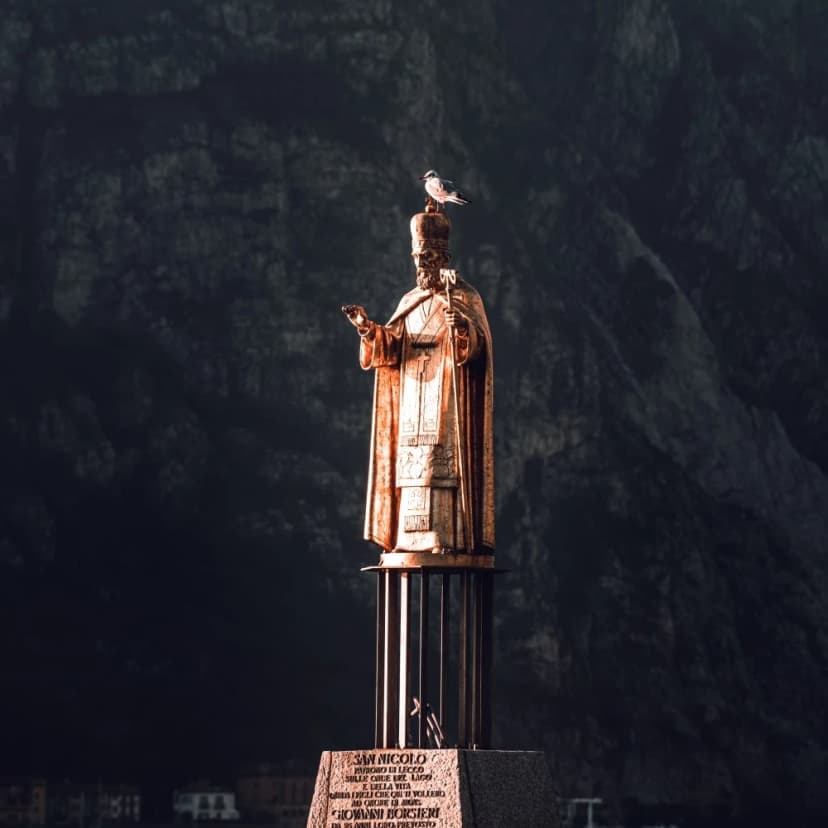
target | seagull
[{"x": 441, "y": 189}]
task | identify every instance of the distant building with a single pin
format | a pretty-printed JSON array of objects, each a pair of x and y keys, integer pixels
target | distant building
[
  {"x": 68, "y": 804},
  {"x": 580, "y": 812},
  {"x": 22, "y": 801},
  {"x": 277, "y": 794},
  {"x": 200, "y": 802},
  {"x": 90, "y": 806},
  {"x": 119, "y": 803}
]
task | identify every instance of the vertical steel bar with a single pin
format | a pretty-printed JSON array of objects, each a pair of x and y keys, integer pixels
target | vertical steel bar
[
  {"x": 405, "y": 617},
  {"x": 463, "y": 664},
  {"x": 379, "y": 692},
  {"x": 445, "y": 644},
  {"x": 391, "y": 658},
  {"x": 486, "y": 659},
  {"x": 423, "y": 669},
  {"x": 474, "y": 660}
]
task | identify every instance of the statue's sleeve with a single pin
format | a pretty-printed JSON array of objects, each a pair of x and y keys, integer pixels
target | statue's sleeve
[
  {"x": 469, "y": 341},
  {"x": 380, "y": 345}
]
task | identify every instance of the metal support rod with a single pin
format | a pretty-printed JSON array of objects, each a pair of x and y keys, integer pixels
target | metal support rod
[
  {"x": 486, "y": 660},
  {"x": 391, "y": 656},
  {"x": 463, "y": 664},
  {"x": 464, "y": 657},
  {"x": 471, "y": 673},
  {"x": 474, "y": 661},
  {"x": 445, "y": 643},
  {"x": 423, "y": 668},
  {"x": 380, "y": 651},
  {"x": 405, "y": 617}
]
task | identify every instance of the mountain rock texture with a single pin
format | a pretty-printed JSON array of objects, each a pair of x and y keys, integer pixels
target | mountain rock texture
[{"x": 190, "y": 189}]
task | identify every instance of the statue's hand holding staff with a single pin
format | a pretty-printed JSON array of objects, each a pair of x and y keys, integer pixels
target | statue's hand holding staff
[{"x": 456, "y": 320}]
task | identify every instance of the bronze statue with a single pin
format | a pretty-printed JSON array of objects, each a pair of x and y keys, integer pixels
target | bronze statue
[{"x": 431, "y": 475}]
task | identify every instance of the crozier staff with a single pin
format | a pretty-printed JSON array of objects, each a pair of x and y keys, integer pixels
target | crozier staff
[{"x": 423, "y": 439}]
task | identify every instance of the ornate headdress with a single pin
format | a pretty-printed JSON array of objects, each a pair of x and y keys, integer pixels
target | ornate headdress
[{"x": 430, "y": 230}]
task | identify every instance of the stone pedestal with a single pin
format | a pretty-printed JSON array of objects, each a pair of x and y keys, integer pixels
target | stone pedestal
[{"x": 446, "y": 788}]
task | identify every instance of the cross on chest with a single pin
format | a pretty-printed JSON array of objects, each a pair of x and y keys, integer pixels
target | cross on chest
[
  {"x": 418, "y": 360},
  {"x": 422, "y": 358}
]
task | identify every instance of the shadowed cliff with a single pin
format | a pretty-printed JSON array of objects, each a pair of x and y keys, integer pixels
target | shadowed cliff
[{"x": 190, "y": 190}]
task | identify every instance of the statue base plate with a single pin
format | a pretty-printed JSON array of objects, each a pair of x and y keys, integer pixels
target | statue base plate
[
  {"x": 448, "y": 561},
  {"x": 426, "y": 788}
]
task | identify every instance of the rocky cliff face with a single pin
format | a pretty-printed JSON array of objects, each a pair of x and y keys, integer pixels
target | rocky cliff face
[{"x": 189, "y": 192}]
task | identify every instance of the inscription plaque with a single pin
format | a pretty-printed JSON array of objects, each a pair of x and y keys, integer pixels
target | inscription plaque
[
  {"x": 417, "y": 788},
  {"x": 386, "y": 789}
]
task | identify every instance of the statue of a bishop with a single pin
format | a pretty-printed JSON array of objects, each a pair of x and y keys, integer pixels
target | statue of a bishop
[{"x": 431, "y": 475}]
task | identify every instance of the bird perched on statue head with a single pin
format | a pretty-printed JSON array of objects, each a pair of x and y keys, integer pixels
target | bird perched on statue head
[{"x": 441, "y": 189}]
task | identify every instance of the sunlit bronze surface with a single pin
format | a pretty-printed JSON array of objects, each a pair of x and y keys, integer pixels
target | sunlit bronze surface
[
  {"x": 431, "y": 474},
  {"x": 420, "y": 560}
]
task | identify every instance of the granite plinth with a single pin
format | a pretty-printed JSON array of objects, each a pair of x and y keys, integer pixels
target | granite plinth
[{"x": 447, "y": 788}]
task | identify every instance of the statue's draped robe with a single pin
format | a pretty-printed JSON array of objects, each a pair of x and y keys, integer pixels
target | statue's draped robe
[{"x": 413, "y": 499}]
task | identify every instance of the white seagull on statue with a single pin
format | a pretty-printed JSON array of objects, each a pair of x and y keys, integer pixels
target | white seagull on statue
[{"x": 441, "y": 189}]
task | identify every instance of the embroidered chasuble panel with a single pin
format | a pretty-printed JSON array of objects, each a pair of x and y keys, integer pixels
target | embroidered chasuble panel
[
  {"x": 426, "y": 453},
  {"x": 428, "y": 518}
]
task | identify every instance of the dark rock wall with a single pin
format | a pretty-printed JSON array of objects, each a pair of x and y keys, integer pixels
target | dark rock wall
[{"x": 189, "y": 190}]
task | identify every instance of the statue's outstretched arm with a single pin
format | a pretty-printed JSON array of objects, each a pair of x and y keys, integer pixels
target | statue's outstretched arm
[
  {"x": 358, "y": 317},
  {"x": 379, "y": 344}
]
